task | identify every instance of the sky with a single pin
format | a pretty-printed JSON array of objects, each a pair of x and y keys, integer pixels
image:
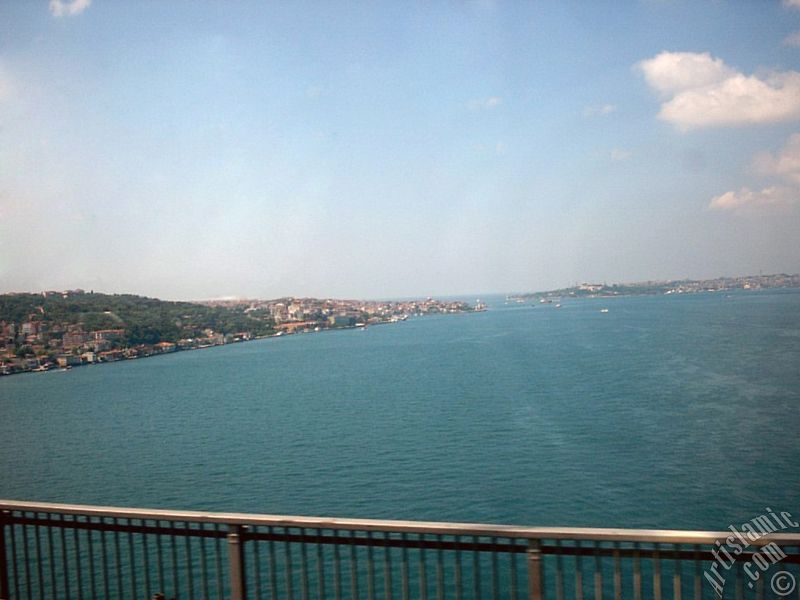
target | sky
[{"x": 205, "y": 149}]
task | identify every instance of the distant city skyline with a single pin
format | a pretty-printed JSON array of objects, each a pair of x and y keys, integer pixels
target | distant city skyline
[{"x": 358, "y": 150}]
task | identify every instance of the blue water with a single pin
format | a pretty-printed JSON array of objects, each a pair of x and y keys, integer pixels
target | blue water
[{"x": 674, "y": 412}]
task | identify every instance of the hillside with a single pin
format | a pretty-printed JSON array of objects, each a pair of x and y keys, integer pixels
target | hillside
[{"x": 143, "y": 320}]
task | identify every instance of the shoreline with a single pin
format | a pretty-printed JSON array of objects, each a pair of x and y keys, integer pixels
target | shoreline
[{"x": 177, "y": 349}]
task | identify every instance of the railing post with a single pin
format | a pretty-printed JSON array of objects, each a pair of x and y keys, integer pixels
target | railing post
[
  {"x": 236, "y": 562},
  {"x": 535, "y": 583},
  {"x": 5, "y": 593}
]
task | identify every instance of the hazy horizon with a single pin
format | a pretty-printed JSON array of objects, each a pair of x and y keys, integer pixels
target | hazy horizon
[
  {"x": 204, "y": 150},
  {"x": 478, "y": 295}
]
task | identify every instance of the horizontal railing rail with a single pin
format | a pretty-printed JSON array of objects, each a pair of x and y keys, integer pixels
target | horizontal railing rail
[{"x": 52, "y": 550}]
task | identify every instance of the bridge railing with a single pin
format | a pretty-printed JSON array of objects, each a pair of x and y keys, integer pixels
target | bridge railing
[{"x": 73, "y": 551}]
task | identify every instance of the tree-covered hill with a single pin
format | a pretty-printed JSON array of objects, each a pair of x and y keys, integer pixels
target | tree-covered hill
[{"x": 144, "y": 320}]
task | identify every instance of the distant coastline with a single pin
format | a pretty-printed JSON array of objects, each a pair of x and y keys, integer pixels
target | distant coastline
[
  {"x": 652, "y": 288},
  {"x": 60, "y": 330},
  {"x": 52, "y": 330}
]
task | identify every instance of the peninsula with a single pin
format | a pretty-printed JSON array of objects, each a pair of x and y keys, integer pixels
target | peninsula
[
  {"x": 651, "y": 288},
  {"x": 48, "y": 330}
]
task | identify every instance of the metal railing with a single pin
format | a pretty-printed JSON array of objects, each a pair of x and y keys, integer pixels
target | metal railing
[{"x": 73, "y": 551}]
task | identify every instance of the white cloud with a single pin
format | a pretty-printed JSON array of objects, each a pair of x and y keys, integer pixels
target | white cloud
[
  {"x": 772, "y": 199},
  {"x": 59, "y": 8},
  {"x": 618, "y": 154},
  {"x": 786, "y": 164},
  {"x": 793, "y": 39},
  {"x": 702, "y": 91},
  {"x": 595, "y": 111},
  {"x": 485, "y": 103},
  {"x": 791, "y": 3},
  {"x": 674, "y": 72}
]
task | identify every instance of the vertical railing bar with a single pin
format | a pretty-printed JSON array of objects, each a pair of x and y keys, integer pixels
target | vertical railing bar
[
  {"x": 303, "y": 567},
  {"x": 79, "y": 568},
  {"x": 5, "y": 588},
  {"x": 337, "y": 568},
  {"x": 760, "y": 589},
  {"x": 132, "y": 562},
  {"x": 218, "y": 561},
  {"x": 513, "y": 572},
  {"x": 476, "y": 569},
  {"x": 387, "y": 569},
  {"x": 370, "y": 568},
  {"x": 51, "y": 554},
  {"x": 14, "y": 570},
  {"x": 26, "y": 559},
  {"x": 698, "y": 579},
  {"x": 578, "y": 571},
  {"x": 39, "y": 564},
  {"x": 287, "y": 550},
  {"x": 104, "y": 552},
  {"x": 173, "y": 551},
  {"x": 457, "y": 571},
  {"x": 353, "y": 567},
  {"x": 423, "y": 572},
  {"x": 404, "y": 568},
  {"x": 203, "y": 567},
  {"x": 439, "y": 569},
  {"x": 117, "y": 558},
  {"x": 535, "y": 570},
  {"x": 598, "y": 573},
  {"x": 677, "y": 592},
  {"x": 559, "y": 573},
  {"x": 637, "y": 573},
  {"x": 320, "y": 567},
  {"x": 257, "y": 566},
  {"x": 160, "y": 561},
  {"x": 739, "y": 581},
  {"x": 495, "y": 575},
  {"x": 92, "y": 575},
  {"x": 64, "y": 553},
  {"x": 617, "y": 573},
  {"x": 656, "y": 572},
  {"x": 236, "y": 561},
  {"x": 189, "y": 563},
  {"x": 37, "y": 552},
  {"x": 273, "y": 575}
]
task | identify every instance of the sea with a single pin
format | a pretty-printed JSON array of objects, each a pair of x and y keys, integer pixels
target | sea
[{"x": 679, "y": 412}]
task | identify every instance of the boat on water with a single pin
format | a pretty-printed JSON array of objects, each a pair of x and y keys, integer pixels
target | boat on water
[{"x": 603, "y": 310}]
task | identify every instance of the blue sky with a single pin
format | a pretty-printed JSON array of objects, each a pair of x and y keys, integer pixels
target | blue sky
[{"x": 203, "y": 149}]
